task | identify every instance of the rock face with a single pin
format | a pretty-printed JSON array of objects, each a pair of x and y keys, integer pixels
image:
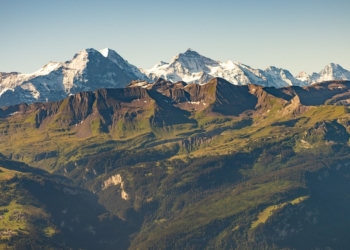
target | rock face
[
  {"x": 114, "y": 181},
  {"x": 128, "y": 68}
]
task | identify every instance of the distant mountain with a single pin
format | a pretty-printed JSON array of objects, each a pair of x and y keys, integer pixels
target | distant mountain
[
  {"x": 192, "y": 67},
  {"x": 88, "y": 70},
  {"x": 189, "y": 67},
  {"x": 91, "y": 69},
  {"x": 331, "y": 72}
]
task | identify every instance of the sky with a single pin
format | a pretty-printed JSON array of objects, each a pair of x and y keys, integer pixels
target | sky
[{"x": 295, "y": 35}]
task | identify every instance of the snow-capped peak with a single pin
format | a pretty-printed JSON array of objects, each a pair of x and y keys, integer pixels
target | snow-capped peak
[
  {"x": 331, "y": 71},
  {"x": 304, "y": 77},
  {"x": 189, "y": 66},
  {"x": 89, "y": 69},
  {"x": 192, "y": 67},
  {"x": 303, "y": 74},
  {"x": 331, "y": 68},
  {"x": 193, "y": 61}
]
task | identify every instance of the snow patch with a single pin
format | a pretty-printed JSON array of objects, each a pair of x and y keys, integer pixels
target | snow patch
[
  {"x": 13, "y": 113},
  {"x": 4, "y": 90},
  {"x": 104, "y": 52},
  {"x": 47, "y": 69}
]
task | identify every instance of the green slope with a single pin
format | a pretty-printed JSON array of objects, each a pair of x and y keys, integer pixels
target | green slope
[{"x": 177, "y": 166}]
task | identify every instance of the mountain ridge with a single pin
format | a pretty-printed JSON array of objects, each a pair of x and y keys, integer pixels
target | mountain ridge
[{"x": 217, "y": 95}]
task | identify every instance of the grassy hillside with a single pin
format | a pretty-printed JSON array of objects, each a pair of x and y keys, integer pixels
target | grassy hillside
[
  {"x": 42, "y": 211},
  {"x": 176, "y": 166}
]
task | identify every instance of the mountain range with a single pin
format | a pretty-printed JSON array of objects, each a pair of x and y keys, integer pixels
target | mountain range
[{"x": 91, "y": 69}]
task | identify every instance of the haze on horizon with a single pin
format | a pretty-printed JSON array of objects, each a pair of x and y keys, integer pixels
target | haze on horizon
[{"x": 298, "y": 36}]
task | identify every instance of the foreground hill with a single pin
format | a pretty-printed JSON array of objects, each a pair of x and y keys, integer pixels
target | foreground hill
[
  {"x": 43, "y": 211},
  {"x": 188, "y": 166}
]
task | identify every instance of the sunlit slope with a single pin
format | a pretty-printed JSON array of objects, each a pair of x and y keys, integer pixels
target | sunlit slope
[
  {"x": 213, "y": 166},
  {"x": 43, "y": 211},
  {"x": 218, "y": 116}
]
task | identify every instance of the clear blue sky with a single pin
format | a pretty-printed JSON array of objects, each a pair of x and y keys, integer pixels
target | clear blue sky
[{"x": 296, "y": 35}]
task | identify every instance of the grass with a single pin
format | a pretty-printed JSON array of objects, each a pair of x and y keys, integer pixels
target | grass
[
  {"x": 160, "y": 221},
  {"x": 49, "y": 232},
  {"x": 235, "y": 140},
  {"x": 326, "y": 112},
  {"x": 227, "y": 135},
  {"x": 268, "y": 212},
  {"x": 217, "y": 208},
  {"x": 21, "y": 225},
  {"x": 6, "y": 174},
  {"x": 95, "y": 126},
  {"x": 3, "y": 246},
  {"x": 6, "y": 223},
  {"x": 23, "y": 142}
]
